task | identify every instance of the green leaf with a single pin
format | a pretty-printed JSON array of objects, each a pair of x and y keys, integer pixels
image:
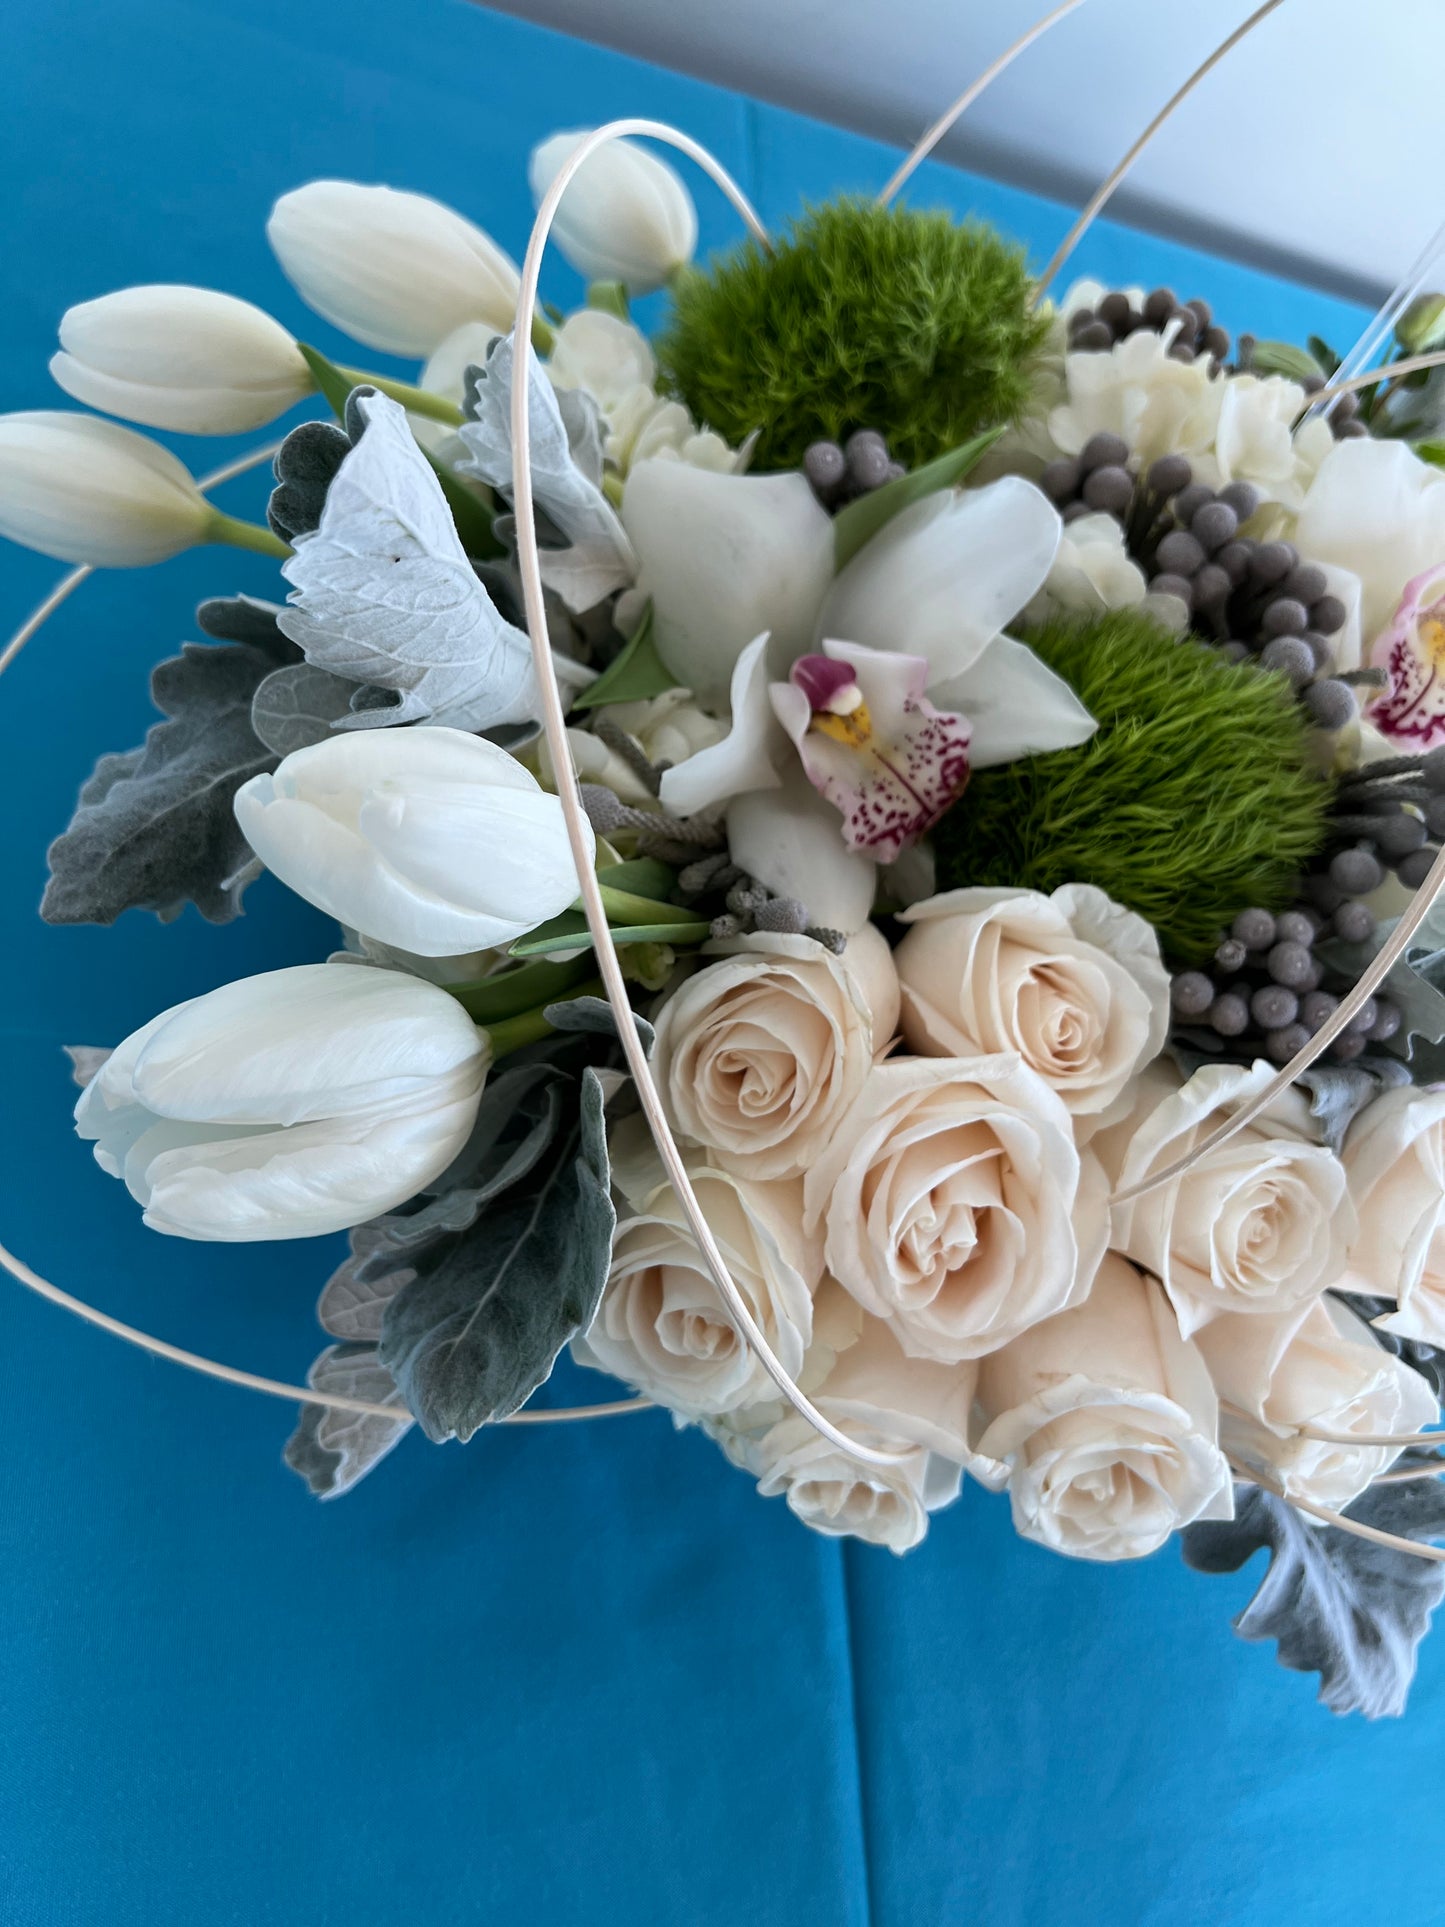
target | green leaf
[
  {"x": 642, "y": 876},
  {"x": 637, "y": 673},
  {"x": 518, "y": 988},
  {"x": 1283, "y": 358},
  {"x": 473, "y": 1335},
  {"x": 569, "y": 931},
  {"x": 1431, "y": 452},
  {"x": 861, "y": 520},
  {"x": 1325, "y": 357}
]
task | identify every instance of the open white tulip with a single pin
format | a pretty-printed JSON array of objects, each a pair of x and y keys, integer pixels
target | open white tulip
[
  {"x": 85, "y": 490},
  {"x": 398, "y": 271},
  {"x": 724, "y": 557},
  {"x": 187, "y": 359},
  {"x": 287, "y": 1105},
  {"x": 625, "y": 216},
  {"x": 428, "y": 839},
  {"x": 940, "y": 581}
]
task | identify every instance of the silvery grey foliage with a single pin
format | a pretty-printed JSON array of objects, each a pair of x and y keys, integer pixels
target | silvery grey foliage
[
  {"x": 155, "y": 829},
  {"x": 595, "y": 1014},
  {"x": 300, "y": 705},
  {"x": 305, "y": 467},
  {"x": 479, "y": 1327},
  {"x": 1338, "y": 1605},
  {"x": 566, "y": 473},
  {"x": 85, "y": 1061},
  {"x": 333, "y": 1450},
  {"x": 384, "y": 595}
]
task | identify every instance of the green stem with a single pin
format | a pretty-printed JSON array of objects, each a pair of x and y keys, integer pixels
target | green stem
[
  {"x": 610, "y": 297},
  {"x": 531, "y": 1026},
  {"x": 542, "y": 336},
  {"x": 420, "y": 401},
  {"x": 245, "y": 535},
  {"x": 623, "y": 907}
]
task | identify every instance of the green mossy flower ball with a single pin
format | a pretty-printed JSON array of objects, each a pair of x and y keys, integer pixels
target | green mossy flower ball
[
  {"x": 1195, "y": 798},
  {"x": 861, "y": 317}
]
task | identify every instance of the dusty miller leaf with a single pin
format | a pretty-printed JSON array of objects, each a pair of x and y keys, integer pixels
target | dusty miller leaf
[
  {"x": 383, "y": 593},
  {"x": 480, "y": 1326},
  {"x": 300, "y": 705},
  {"x": 566, "y": 475},
  {"x": 154, "y": 829},
  {"x": 305, "y": 467},
  {"x": 595, "y": 1014},
  {"x": 333, "y": 1450},
  {"x": 85, "y": 1061},
  {"x": 1337, "y": 1605}
]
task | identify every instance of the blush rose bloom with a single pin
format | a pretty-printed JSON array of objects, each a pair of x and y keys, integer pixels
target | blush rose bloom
[
  {"x": 1395, "y": 1160},
  {"x": 1072, "y": 982},
  {"x": 662, "y": 1324},
  {"x": 872, "y": 1392},
  {"x": 1324, "y": 1370},
  {"x": 954, "y": 1203},
  {"x": 1259, "y": 1225},
  {"x": 761, "y": 1053},
  {"x": 1103, "y": 1424}
]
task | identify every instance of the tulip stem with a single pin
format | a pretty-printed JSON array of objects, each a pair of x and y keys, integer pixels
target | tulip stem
[
  {"x": 531, "y": 1026},
  {"x": 245, "y": 535},
  {"x": 418, "y": 400},
  {"x": 623, "y": 907}
]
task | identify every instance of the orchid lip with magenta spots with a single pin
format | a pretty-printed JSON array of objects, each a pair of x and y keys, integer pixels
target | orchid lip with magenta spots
[{"x": 872, "y": 743}]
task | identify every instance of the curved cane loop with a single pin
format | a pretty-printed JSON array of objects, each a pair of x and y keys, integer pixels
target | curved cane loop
[
  {"x": 1405, "y": 1474},
  {"x": 555, "y": 725},
  {"x": 1372, "y": 378},
  {"x": 1391, "y": 1539},
  {"x": 1106, "y": 188},
  {"x": 1362, "y": 357},
  {"x": 273, "y": 1387},
  {"x": 1398, "y": 1440},
  {"x": 969, "y": 95},
  {"x": 1339, "y": 1020}
]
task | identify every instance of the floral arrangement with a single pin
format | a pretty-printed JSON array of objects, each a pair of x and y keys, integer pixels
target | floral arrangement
[{"x": 1001, "y": 735}]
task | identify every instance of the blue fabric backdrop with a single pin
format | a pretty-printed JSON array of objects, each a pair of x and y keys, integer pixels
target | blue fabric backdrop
[{"x": 575, "y": 1677}]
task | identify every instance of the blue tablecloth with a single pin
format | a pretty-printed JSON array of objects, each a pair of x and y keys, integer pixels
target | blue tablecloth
[{"x": 580, "y": 1676}]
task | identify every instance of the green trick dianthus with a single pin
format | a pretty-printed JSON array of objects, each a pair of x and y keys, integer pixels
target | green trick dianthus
[
  {"x": 861, "y": 317},
  {"x": 1194, "y": 799}
]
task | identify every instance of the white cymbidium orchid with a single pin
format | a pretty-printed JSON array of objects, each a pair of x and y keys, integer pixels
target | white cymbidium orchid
[
  {"x": 724, "y": 557},
  {"x": 287, "y": 1105},
  {"x": 625, "y": 216},
  {"x": 187, "y": 359},
  {"x": 397, "y": 271},
  {"x": 431, "y": 840},
  {"x": 85, "y": 490}
]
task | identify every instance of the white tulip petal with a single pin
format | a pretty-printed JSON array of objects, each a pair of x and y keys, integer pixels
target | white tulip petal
[
  {"x": 624, "y": 216},
  {"x": 85, "y": 490}
]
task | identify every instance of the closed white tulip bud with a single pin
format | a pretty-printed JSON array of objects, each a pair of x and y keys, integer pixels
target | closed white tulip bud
[
  {"x": 85, "y": 490},
  {"x": 288, "y": 1105},
  {"x": 625, "y": 216},
  {"x": 427, "y": 839},
  {"x": 187, "y": 359},
  {"x": 397, "y": 271}
]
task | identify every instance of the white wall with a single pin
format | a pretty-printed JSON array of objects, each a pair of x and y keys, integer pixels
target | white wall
[{"x": 1312, "y": 149}]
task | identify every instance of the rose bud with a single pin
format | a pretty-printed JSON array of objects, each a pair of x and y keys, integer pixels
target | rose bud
[
  {"x": 84, "y": 490},
  {"x": 428, "y": 839},
  {"x": 397, "y": 271},
  {"x": 625, "y": 216},
  {"x": 187, "y": 359},
  {"x": 287, "y": 1105}
]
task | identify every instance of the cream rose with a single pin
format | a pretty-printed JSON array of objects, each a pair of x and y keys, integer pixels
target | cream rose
[
  {"x": 1258, "y": 1225},
  {"x": 873, "y": 1393},
  {"x": 1325, "y": 1370},
  {"x": 954, "y": 1203},
  {"x": 1072, "y": 982},
  {"x": 1395, "y": 1161},
  {"x": 1103, "y": 1424},
  {"x": 760, "y": 1054},
  {"x": 662, "y": 1324}
]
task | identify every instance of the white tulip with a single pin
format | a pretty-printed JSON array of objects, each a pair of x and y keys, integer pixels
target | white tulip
[
  {"x": 428, "y": 839},
  {"x": 397, "y": 271},
  {"x": 187, "y": 359},
  {"x": 287, "y": 1105},
  {"x": 724, "y": 557},
  {"x": 85, "y": 490},
  {"x": 625, "y": 216}
]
